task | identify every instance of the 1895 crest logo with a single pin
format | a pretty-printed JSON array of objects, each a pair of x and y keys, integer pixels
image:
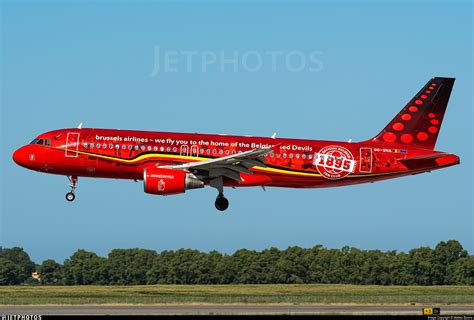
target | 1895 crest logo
[{"x": 334, "y": 162}]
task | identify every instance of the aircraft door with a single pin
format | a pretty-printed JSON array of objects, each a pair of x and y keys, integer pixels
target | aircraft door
[
  {"x": 365, "y": 163},
  {"x": 184, "y": 150},
  {"x": 72, "y": 144},
  {"x": 194, "y": 151}
]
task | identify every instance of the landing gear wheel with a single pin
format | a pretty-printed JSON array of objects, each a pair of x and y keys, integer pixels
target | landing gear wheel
[
  {"x": 221, "y": 203},
  {"x": 70, "y": 196}
]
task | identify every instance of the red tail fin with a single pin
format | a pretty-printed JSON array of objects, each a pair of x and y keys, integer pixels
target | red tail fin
[{"x": 418, "y": 123}]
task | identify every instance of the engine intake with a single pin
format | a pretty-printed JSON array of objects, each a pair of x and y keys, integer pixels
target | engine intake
[{"x": 169, "y": 181}]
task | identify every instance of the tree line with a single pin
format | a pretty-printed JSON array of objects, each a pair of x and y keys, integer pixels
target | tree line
[{"x": 447, "y": 264}]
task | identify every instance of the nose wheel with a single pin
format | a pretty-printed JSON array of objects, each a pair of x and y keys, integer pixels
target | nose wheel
[
  {"x": 70, "y": 196},
  {"x": 221, "y": 202}
]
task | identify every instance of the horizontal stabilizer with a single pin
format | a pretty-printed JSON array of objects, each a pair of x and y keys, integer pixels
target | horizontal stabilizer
[{"x": 432, "y": 160}]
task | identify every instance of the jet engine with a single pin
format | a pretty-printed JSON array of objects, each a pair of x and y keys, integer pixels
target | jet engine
[{"x": 169, "y": 181}]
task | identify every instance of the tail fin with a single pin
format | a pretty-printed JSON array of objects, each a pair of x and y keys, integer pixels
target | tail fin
[{"x": 418, "y": 123}]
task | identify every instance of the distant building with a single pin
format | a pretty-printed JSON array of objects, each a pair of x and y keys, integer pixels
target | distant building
[{"x": 36, "y": 275}]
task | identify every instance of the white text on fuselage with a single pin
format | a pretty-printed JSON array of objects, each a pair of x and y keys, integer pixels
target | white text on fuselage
[{"x": 201, "y": 142}]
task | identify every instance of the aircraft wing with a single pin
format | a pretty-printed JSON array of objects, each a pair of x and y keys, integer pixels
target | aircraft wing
[{"x": 229, "y": 166}]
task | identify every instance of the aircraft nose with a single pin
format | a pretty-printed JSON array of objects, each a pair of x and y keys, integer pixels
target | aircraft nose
[{"x": 20, "y": 156}]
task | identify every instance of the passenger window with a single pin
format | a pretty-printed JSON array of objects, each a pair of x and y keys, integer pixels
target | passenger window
[
  {"x": 104, "y": 146},
  {"x": 155, "y": 148},
  {"x": 148, "y": 148},
  {"x": 297, "y": 156},
  {"x": 98, "y": 146}
]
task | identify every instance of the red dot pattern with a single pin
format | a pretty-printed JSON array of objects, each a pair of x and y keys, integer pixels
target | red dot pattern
[
  {"x": 398, "y": 126},
  {"x": 396, "y": 130},
  {"x": 389, "y": 137},
  {"x": 432, "y": 129},
  {"x": 422, "y": 136},
  {"x": 406, "y": 138}
]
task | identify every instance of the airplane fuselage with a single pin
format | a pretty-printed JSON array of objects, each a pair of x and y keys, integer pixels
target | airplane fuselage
[
  {"x": 171, "y": 163},
  {"x": 297, "y": 163}
]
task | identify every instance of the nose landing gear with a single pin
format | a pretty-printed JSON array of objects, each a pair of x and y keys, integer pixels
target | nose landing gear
[{"x": 70, "y": 196}]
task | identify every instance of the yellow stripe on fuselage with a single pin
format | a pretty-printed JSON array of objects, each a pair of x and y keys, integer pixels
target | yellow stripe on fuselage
[{"x": 198, "y": 159}]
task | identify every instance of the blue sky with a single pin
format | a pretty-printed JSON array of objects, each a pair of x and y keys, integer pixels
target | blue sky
[{"x": 94, "y": 61}]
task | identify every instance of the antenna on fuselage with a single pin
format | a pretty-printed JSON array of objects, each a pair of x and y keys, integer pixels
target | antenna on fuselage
[
  {"x": 79, "y": 126},
  {"x": 274, "y": 135},
  {"x": 350, "y": 141}
]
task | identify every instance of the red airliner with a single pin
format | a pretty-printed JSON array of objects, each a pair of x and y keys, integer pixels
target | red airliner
[{"x": 171, "y": 163}]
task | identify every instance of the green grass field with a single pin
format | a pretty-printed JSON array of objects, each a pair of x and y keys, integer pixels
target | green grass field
[{"x": 205, "y": 294}]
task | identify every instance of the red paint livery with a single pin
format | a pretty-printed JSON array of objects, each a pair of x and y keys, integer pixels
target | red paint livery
[{"x": 170, "y": 163}]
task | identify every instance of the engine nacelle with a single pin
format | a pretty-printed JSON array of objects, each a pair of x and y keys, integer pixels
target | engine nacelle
[{"x": 169, "y": 181}]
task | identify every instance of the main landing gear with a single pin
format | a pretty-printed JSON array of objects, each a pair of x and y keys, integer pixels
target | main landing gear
[
  {"x": 221, "y": 202},
  {"x": 70, "y": 196}
]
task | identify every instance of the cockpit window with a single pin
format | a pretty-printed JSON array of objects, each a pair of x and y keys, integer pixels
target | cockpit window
[{"x": 45, "y": 142}]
